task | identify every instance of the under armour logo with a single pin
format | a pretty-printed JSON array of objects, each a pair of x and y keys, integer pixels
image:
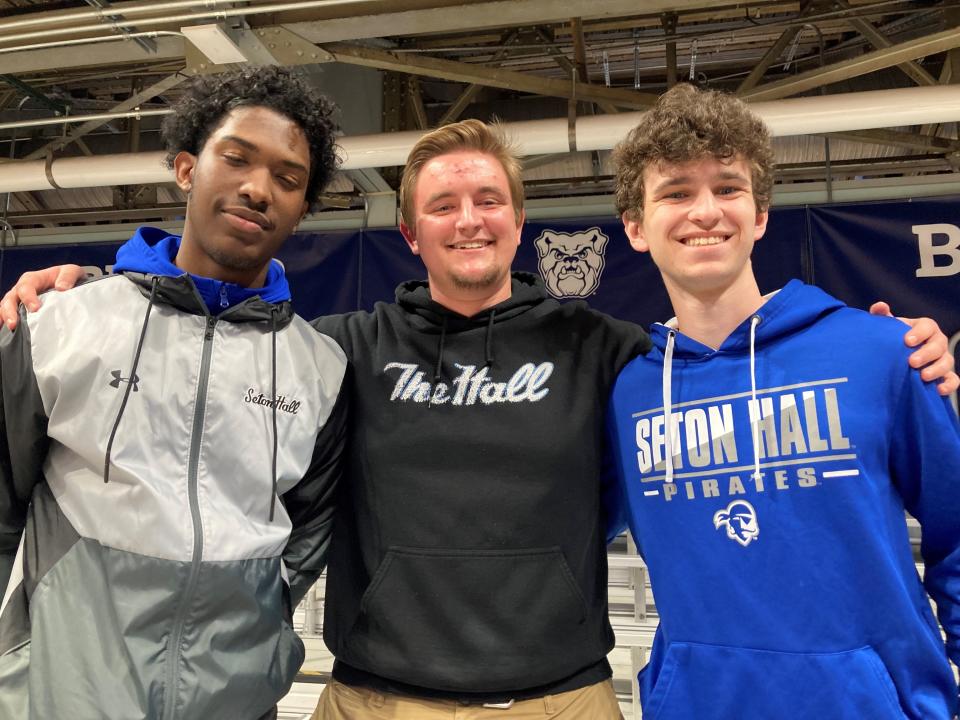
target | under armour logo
[
  {"x": 115, "y": 383},
  {"x": 741, "y": 521}
]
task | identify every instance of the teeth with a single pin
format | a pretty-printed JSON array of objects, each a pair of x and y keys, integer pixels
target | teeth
[
  {"x": 470, "y": 245},
  {"x": 698, "y": 241}
]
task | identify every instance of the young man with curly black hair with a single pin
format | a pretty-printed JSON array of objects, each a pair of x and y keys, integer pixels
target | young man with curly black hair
[{"x": 170, "y": 439}]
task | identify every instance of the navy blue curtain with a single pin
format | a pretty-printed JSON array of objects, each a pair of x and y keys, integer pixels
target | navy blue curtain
[{"x": 905, "y": 252}]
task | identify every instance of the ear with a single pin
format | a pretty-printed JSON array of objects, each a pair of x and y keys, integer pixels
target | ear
[
  {"x": 523, "y": 217},
  {"x": 760, "y": 225},
  {"x": 183, "y": 166},
  {"x": 411, "y": 239},
  {"x": 635, "y": 234}
]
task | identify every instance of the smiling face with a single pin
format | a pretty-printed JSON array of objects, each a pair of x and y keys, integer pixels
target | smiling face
[
  {"x": 699, "y": 223},
  {"x": 466, "y": 230},
  {"x": 246, "y": 194}
]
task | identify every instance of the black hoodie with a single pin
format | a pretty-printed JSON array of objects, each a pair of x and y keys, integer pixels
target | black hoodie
[{"x": 468, "y": 557}]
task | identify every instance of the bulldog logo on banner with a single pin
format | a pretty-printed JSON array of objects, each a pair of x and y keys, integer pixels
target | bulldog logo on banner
[{"x": 571, "y": 263}]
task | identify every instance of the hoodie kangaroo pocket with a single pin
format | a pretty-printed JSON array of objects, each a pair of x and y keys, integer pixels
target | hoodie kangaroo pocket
[
  {"x": 456, "y": 619},
  {"x": 713, "y": 682}
]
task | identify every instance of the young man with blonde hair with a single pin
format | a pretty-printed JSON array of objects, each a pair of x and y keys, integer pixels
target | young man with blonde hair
[
  {"x": 468, "y": 560},
  {"x": 768, "y": 448}
]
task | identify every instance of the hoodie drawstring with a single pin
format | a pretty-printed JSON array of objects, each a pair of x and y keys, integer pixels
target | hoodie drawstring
[
  {"x": 132, "y": 380},
  {"x": 488, "y": 345},
  {"x": 755, "y": 425},
  {"x": 273, "y": 395},
  {"x": 668, "y": 395},
  {"x": 667, "y": 404},
  {"x": 487, "y": 351},
  {"x": 438, "y": 368}
]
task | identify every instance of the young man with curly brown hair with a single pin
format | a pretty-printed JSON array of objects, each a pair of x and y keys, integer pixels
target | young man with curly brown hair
[
  {"x": 171, "y": 437},
  {"x": 769, "y": 446}
]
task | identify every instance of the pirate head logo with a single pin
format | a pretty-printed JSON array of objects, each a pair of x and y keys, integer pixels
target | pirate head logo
[
  {"x": 741, "y": 521},
  {"x": 571, "y": 263}
]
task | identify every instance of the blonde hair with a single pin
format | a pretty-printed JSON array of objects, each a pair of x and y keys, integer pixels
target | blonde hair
[{"x": 457, "y": 137}]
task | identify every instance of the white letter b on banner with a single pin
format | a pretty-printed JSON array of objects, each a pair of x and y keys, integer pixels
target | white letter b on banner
[{"x": 929, "y": 251}]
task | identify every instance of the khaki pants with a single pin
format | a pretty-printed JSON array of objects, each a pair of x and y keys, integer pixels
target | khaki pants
[{"x": 342, "y": 702}]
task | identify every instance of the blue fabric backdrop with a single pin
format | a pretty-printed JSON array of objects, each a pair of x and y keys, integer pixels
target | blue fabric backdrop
[{"x": 858, "y": 252}]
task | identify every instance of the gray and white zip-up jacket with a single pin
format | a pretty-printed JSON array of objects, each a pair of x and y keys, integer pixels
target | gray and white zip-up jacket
[{"x": 166, "y": 496}]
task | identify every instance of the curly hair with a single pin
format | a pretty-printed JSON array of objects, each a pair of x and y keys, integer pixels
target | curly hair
[
  {"x": 687, "y": 124},
  {"x": 457, "y": 137},
  {"x": 209, "y": 98}
]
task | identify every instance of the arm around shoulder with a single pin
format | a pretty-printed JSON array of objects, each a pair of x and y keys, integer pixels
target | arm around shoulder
[
  {"x": 925, "y": 459},
  {"x": 312, "y": 502},
  {"x": 28, "y": 288},
  {"x": 23, "y": 440}
]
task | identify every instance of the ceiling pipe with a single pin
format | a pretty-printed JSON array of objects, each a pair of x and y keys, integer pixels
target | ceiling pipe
[
  {"x": 209, "y": 8},
  {"x": 151, "y": 34},
  {"x": 202, "y": 12},
  {"x": 77, "y": 15},
  {"x": 68, "y": 119},
  {"x": 795, "y": 116}
]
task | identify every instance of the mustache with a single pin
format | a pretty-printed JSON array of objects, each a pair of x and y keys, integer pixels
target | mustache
[{"x": 243, "y": 208}]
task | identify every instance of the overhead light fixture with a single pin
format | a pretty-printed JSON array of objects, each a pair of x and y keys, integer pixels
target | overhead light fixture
[{"x": 213, "y": 41}]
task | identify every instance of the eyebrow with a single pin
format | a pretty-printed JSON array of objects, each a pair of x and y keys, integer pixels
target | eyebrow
[
  {"x": 255, "y": 148},
  {"x": 485, "y": 189},
  {"x": 686, "y": 179}
]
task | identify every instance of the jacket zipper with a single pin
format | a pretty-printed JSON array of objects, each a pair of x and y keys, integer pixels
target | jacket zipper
[{"x": 176, "y": 633}]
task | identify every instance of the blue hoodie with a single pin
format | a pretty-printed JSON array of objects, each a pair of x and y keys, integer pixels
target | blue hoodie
[
  {"x": 793, "y": 594},
  {"x": 152, "y": 251}
]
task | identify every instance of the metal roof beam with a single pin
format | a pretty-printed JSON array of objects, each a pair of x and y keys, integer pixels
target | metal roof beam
[
  {"x": 58, "y": 107},
  {"x": 472, "y": 90},
  {"x": 490, "y": 77},
  {"x": 415, "y": 103},
  {"x": 128, "y": 104},
  {"x": 455, "y": 16},
  {"x": 897, "y": 138},
  {"x": 854, "y": 67},
  {"x": 113, "y": 54},
  {"x": 913, "y": 70}
]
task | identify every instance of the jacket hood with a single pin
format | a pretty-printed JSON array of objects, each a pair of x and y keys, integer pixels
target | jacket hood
[
  {"x": 152, "y": 251},
  {"x": 789, "y": 310},
  {"x": 146, "y": 260},
  {"x": 425, "y": 314}
]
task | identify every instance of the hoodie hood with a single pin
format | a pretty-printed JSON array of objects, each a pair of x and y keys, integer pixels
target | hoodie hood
[
  {"x": 792, "y": 309},
  {"x": 788, "y": 311},
  {"x": 152, "y": 251},
  {"x": 427, "y": 315}
]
